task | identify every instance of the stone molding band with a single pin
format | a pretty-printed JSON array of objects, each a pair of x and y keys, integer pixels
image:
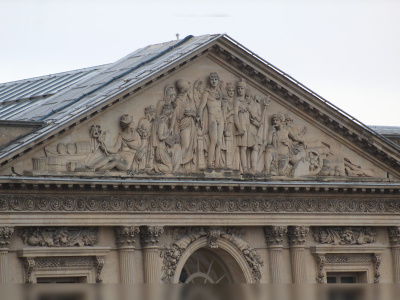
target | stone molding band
[{"x": 138, "y": 204}]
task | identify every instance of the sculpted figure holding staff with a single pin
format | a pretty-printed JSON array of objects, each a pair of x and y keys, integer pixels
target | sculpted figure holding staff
[
  {"x": 213, "y": 98},
  {"x": 241, "y": 118}
]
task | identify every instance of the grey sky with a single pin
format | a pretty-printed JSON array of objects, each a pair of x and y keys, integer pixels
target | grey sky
[{"x": 346, "y": 51}]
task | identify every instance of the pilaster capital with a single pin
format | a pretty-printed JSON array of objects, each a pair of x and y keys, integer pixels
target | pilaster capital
[
  {"x": 297, "y": 235},
  {"x": 5, "y": 235},
  {"x": 275, "y": 235},
  {"x": 394, "y": 235},
  {"x": 126, "y": 235},
  {"x": 150, "y": 235}
]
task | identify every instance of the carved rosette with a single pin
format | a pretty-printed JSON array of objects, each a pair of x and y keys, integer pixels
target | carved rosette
[
  {"x": 150, "y": 235},
  {"x": 344, "y": 235},
  {"x": 59, "y": 236},
  {"x": 297, "y": 235},
  {"x": 125, "y": 235},
  {"x": 394, "y": 235},
  {"x": 5, "y": 235},
  {"x": 275, "y": 235}
]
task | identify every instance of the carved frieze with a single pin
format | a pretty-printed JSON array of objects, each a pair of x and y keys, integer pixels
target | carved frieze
[
  {"x": 174, "y": 252},
  {"x": 5, "y": 235},
  {"x": 344, "y": 235},
  {"x": 59, "y": 236},
  {"x": 297, "y": 235},
  {"x": 150, "y": 235},
  {"x": 125, "y": 235},
  {"x": 275, "y": 235},
  {"x": 213, "y": 127},
  {"x": 167, "y": 204}
]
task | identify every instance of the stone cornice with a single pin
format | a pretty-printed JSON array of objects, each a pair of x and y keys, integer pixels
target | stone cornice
[{"x": 221, "y": 185}]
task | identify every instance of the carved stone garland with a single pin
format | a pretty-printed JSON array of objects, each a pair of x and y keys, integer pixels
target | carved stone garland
[
  {"x": 344, "y": 235},
  {"x": 59, "y": 236},
  {"x": 174, "y": 252}
]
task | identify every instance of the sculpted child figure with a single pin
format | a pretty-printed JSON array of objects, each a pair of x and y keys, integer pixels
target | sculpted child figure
[
  {"x": 213, "y": 98},
  {"x": 168, "y": 153}
]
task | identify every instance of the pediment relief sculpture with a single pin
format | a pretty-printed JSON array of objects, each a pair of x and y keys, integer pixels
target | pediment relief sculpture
[{"x": 210, "y": 127}]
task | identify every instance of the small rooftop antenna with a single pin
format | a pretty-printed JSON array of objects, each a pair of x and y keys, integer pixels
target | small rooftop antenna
[{"x": 177, "y": 36}]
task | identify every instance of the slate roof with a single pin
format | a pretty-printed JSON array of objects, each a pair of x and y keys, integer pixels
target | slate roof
[{"x": 19, "y": 97}]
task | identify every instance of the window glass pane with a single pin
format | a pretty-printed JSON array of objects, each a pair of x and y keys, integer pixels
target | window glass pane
[
  {"x": 348, "y": 279},
  {"x": 331, "y": 279}
]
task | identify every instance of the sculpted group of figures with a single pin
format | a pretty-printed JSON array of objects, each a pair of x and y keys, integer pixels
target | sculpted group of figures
[
  {"x": 203, "y": 127},
  {"x": 213, "y": 126}
]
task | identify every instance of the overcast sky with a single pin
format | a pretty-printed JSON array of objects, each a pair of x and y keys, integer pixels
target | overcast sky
[{"x": 346, "y": 51}]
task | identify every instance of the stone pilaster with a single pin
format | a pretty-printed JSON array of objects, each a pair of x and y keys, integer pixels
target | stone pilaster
[
  {"x": 297, "y": 238},
  {"x": 151, "y": 255},
  {"x": 394, "y": 238},
  {"x": 275, "y": 236},
  {"x": 126, "y": 242},
  {"x": 5, "y": 235}
]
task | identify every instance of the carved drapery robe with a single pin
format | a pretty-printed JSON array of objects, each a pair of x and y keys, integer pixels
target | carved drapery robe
[
  {"x": 168, "y": 154},
  {"x": 184, "y": 125}
]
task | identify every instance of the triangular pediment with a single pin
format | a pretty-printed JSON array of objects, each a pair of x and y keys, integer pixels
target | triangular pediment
[{"x": 219, "y": 112}]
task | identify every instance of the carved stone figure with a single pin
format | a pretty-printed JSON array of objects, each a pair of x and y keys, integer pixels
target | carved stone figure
[
  {"x": 213, "y": 99},
  {"x": 183, "y": 124},
  {"x": 277, "y": 154},
  {"x": 230, "y": 125},
  {"x": 59, "y": 236},
  {"x": 253, "y": 142},
  {"x": 242, "y": 123},
  {"x": 168, "y": 152},
  {"x": 145, "y": 154},
  {"x": 344, "y": 235},
  {"x": 122, "y": 154},
  {"x": 169, "y": 98}
]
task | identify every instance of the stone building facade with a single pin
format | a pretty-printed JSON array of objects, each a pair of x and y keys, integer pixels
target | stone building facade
[{"x": 192, "y": 161}]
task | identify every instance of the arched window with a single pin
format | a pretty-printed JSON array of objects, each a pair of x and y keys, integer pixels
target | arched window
[{"x": 205, "y": 267}]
